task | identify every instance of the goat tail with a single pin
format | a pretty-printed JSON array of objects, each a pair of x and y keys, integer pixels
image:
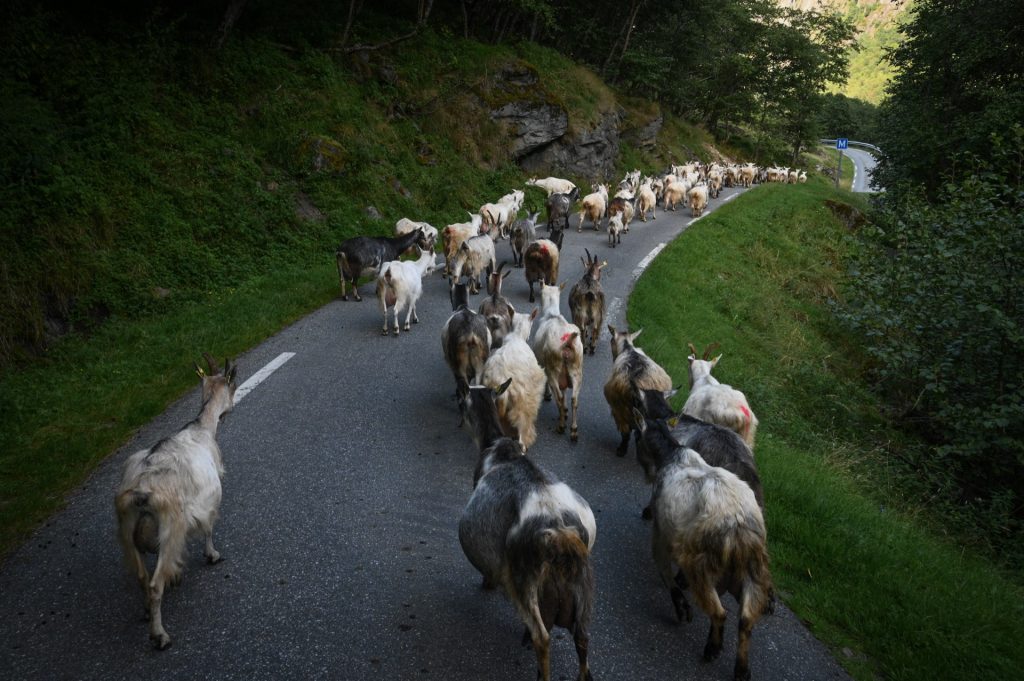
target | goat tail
[
  {"x": 138, "y": 522},
  {"x": 569, "y": 579},
  {"x": 758, "y": 597}
]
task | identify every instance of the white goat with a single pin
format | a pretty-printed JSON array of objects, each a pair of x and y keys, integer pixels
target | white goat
[
  {"x": 500, "y": 215},
  {"x": 519, "y": 403},
  {"x": 646, "y": 200},
  {"x": 559, "y": 351},
  {"x": 615, "y": 230},
  {"x": 593, "y": 206},
  {"x": 474, "y": 257},
  {"x": 172, "y": 490},
  {"x": 405, "y": 226},
  {"x": 716, "y": 402},
  {"x": 552, "y": 185},
  {"x": 400, "y": 285},
  {"x": 698, "y": 198}
]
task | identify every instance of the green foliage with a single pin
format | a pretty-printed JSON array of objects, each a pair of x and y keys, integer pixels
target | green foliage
[
  {"x": 844, "y": 116},
  {"x": 849, "y": 554},
  {"x": 958, "y": 81},
  {"x": 935, "y": 293}
]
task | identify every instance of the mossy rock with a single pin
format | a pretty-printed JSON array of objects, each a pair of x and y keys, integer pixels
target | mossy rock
[{"x": 323, "y": 154}]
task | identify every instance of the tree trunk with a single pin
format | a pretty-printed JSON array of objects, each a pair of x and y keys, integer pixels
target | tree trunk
[
  {"x": 629, "y": 32},
  {"x": 231, "y": 14},
  {"x": 352, "y": 11}
]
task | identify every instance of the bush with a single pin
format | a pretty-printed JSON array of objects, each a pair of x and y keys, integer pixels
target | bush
[{"x": 936, "y": 294}]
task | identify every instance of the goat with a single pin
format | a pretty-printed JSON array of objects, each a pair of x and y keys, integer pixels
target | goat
[
  {"x": 623, "y": 207},
  {"x": 559, "y": 206},
  {"x": 497, "y": 310},
  {"x": 541, "y": 262},
  {"x": 475, "y": 255},
  {"x": 675, "y": 192},
  {"x": 698, "y": 197},
  {"x": 646, "y": 200},
  {"x": 586, "y": 302},
  {"x": 501, "y": 214},
  {"x": 519, "y": 403},
  {"x": 400, "y": 285},
  {"x": 405, "y": 225},
  {"x": 707, "y": 521},
  {"x": 716, "y": 402},
  {"x": 717, "y": 445},
  {"x": 552, "y": 185},
  {"x": 560, "y": 352},
  {"x": 747, "y": 174},
  {"x": 614, "y": 230},
  {"x": 530, "y": 534},
  {"x": 172, "y": 490},
  {"x": 465, "y": 340},
  {"x": 523, "y": 232},
  {"x": 632, "y": 371},
  {"x": 594, "y": 207},
  {"x": 715, "y": 182},
  {"x": 364, "y": 254},
  {"x": 453, "y": 236}
]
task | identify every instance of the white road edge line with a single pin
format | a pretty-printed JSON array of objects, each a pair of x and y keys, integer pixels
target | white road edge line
[
  {"x": 261, "y": 375},
  {"x": 647, "y": 261},
  {"x": 853, "y": 184},
  {"x": 730, "y": 197}
]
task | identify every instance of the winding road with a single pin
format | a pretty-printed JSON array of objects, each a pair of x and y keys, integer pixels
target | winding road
[
  {"x": 864, "y": 163},
  {"x": 346, "y": 475}
]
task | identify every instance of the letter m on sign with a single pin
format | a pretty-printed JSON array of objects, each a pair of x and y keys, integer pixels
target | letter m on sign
[{"x": 842, "y": 143}]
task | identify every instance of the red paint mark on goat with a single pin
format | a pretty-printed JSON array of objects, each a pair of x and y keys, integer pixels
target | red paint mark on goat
[
  {"x": 746, "y": 412},
  {"x": 566, "y": 337}
]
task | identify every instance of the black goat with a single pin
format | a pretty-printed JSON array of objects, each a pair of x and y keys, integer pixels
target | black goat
[{"x": 362, "y": 255}]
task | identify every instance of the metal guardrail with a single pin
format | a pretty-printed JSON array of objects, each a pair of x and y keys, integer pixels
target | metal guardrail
[{"x": 852, "y": 143}]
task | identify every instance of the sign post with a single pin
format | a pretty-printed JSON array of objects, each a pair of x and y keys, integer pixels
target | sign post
[{"x": 841, "y": 143}]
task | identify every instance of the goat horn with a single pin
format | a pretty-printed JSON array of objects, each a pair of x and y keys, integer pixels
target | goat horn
[
  {"x": 212, "y": 363},
  {"x": 709, "y": 349},
  {"x": 693, "y": 350}
]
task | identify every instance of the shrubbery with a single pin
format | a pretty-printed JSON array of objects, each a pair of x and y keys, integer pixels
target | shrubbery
[{"x": 936, "y": 292}]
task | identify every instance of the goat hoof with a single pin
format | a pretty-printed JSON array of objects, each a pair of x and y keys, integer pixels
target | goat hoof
[
  {"x": 711, "y": 652},
  {"x": 574, "y": 436},
  {"x": 213, "y": 558},
  {"x": 344, "y": 298},
  {"x": 384, "y": 332},
  {"x": 646, "y": 514},
  {"x": 160, "y": 641},
  {"x": 560, "y": 429}
]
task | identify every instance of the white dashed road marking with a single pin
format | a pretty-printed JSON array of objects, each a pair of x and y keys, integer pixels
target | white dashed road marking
[{"x": 261, "y": 375}]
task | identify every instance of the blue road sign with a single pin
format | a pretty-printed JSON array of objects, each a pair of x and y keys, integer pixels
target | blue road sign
[{"x": 842, "y": 143}]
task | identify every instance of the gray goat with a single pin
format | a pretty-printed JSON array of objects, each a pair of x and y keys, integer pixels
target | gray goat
[
  {"x": 362, "y": 255},
  {"x": 524, "y": 232},
  {"x": 559, "y": 208},
  {"x": 497, "y": 310},
  {"x": 465, "y": 340},
  {"x": 530, "y": 534}
]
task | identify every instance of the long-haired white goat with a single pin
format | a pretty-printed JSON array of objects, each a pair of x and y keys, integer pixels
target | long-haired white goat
[
  {"x": 716, "y": 402},
  {"x": 519, "y": 403},
  {"x": 559, "y": 351},
  {"x": 172, "y": 490}
]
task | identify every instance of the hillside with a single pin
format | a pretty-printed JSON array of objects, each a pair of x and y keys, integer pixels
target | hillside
[{"x": 877, "y": 23}]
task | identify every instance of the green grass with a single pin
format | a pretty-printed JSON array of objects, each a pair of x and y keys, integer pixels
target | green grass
[
  {"x": 63, "y": 415},
  {"x": 826, "y": 157},
  {"x": 865, "y": 567}
]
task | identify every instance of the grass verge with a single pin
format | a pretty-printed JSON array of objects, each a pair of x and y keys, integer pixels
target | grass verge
[{"x": 865, "y": 567}]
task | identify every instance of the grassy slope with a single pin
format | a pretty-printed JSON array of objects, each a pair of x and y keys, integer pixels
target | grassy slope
[
  {"x": 849, "y": 555},
  {"x": 187, "y": 233}
]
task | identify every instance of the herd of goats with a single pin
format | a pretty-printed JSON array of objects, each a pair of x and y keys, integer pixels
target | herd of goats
[{"x": 522, "y": 529}]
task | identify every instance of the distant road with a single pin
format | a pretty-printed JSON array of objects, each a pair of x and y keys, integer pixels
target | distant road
[{"x": 865, "y": 164}]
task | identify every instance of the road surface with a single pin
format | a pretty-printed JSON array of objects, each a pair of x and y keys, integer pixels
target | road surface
[
  {"x": 346, "y": 476},
  {"x": 863, "y": 163}
]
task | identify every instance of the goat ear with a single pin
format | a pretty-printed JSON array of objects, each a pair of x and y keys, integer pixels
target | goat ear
[
  {"x": 533, "y": 315},
  {"x": 632, "y": 336},
  {"x": 504, "y": 386},
  {"x": 611, "y": 329},
  {"x": 232, "y": 374},
  {"x": 715, "y": 360},
  {"x": 671, "y": 393}
]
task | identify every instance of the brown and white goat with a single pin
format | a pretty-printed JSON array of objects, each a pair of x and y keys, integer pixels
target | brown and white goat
[
  {"x": 716, "y": 402},
  {"x": 172, "y": 490},
  {"x": 632, "y": 371},
  {"x": 541, "y": 263},
  {"x": 593, "y": 207},
  {"x": 559, "y": 351},
  {"x": 708, "y": 523},
  {"x": 530, "y": 534},
  {"x": 586, "y": 302}
]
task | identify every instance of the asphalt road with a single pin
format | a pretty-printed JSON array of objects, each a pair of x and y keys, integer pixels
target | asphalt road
[
  {"x": 864, "y": 163},
  {"x": 346, "y": 475}
]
